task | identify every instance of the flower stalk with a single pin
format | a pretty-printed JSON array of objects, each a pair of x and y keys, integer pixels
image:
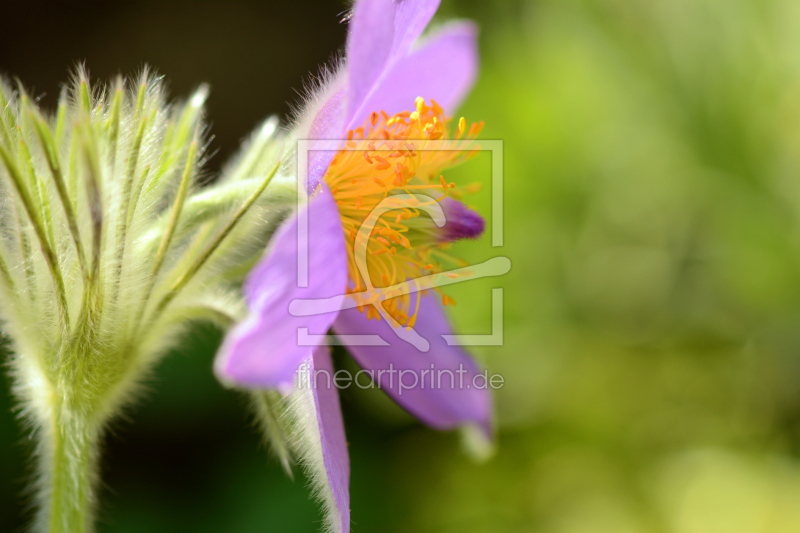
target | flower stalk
[{"x": 73, "y": 451}]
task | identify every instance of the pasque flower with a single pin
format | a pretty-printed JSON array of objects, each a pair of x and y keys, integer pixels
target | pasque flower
[{"x": 387, "y": 106}]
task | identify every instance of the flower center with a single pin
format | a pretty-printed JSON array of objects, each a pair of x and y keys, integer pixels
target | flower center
[{"x": 387, "y": 184}]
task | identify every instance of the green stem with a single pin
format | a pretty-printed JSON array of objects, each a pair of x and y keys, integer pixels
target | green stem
[{"x": 70, "y": 461}]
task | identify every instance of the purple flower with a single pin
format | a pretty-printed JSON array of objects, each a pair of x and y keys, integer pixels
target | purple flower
[{"x": 367, "y": 281}]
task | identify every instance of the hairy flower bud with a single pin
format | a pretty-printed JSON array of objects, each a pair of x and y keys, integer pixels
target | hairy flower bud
[{"x": 109, "y": 246}]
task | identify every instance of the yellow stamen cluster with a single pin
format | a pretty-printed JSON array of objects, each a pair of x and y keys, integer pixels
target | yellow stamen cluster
[{"x": 402, "y": 156}]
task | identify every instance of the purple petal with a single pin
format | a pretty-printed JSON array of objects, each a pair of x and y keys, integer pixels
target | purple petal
[
  {"x": 314, "y": 403},
  {"x": 461, "y": 222},
  {"x": 369, "y": 44},
  {"x": 381, "y": 32},
  {"x": 443, "y": 69},
  {"x": 421, "y": 382},
  {"x": 263, "y": 351},
  {"x": 411, "y": 17},
  {"x": 327, "y": 124}
]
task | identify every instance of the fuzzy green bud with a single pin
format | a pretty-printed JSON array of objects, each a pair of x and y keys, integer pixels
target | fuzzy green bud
[{"x": 109, "y": 247}]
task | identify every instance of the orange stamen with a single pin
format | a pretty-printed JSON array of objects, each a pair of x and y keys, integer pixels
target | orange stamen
[{"x": 404, "y": 243}]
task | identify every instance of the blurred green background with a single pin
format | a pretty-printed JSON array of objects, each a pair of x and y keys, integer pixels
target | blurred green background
[{"x": 652, "y": 314}]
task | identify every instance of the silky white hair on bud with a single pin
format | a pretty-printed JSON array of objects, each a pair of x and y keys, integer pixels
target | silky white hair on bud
[
  {"x": 109, "y": 246},
  {"x": 318, "y": 92}
]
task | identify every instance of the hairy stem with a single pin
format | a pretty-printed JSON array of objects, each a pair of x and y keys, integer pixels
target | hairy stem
[{"x": 69, "y": 471}]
